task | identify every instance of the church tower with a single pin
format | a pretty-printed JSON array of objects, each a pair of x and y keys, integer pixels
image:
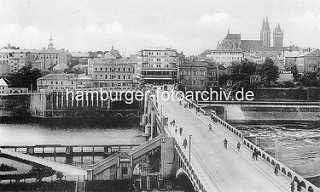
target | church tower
[
  {"x": 278, "y": 37},
  {"x": 265, "y": 34},
  {"x": 51, "y": 46}
]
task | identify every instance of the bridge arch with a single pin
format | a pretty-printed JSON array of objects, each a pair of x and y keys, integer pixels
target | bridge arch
[
  {"x": 310, "y": 189},
  {"x": 183, "y": 181},
  {"x": 118, "y": 115},
  {"x": 303, "y": 184},
  {"x": 289, "y": 175}
]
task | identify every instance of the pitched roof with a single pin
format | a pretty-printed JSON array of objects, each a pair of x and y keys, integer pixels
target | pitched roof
[
  {"x": 233, "y": 37},
  {"x": 3, "y": 82},
  {"x": 247, "y": 45}
]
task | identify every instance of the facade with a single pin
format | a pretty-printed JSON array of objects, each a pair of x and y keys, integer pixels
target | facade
[
  {"x": 112, "y": 73},
  {"x": 224, "y": 56},
  {"x": 265, "y": 34},
  {"x": 309, "y": 61},
  {"x": 45, "y": 59},
  {"x": 197, "y": 74},
  {"x": 58, "y": 82},
  {"x": 290, "y": 58},
  {"x": 192, "y": 75},
  {"x": 278, "y": 37},
  {"x": 159, "y": 66}
]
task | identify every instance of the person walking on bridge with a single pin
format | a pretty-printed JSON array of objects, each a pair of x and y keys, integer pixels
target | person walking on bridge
[
  {"x": 210, "y": 127},
  {"x": 292, "y": 186},
  {"x": 185, "y": 143},
  {"x": 238, "y": 145},
  {"x": 225, "y": 142},
  {"x": 180, "y": 130}
]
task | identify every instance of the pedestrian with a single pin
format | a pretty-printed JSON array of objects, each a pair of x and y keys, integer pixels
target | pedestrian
[
  {"x": 238, "y": 145},
  {"x": 173, "y": 122},
  {"x": 292, "y": 186},
  {"x": 299, "y": 186},
  {"x": 180, "y": 130},
  {"x": 225, "y": 143},
  {"x": 176, "y": 129},
  {"x": 210, "y": 127},
  {"x": 180, "y": 102},
  {"x": 185, "y": 143},
  {"x": 276, "y": 169},
  {"x": 257, "y": 154}
]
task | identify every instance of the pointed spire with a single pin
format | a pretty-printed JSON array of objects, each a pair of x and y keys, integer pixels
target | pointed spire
[
  {"x": 267, "y": 24},
  {"x": 228, "y": 31},
  {"x": 264, "y": 23}
]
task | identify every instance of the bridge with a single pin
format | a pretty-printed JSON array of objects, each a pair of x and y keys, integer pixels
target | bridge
[{"x": 204, "y": 164}]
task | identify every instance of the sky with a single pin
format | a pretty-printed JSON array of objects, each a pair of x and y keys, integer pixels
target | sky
[{"x": 191, "y": 26}]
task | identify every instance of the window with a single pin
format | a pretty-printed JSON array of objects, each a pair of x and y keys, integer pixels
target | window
[
  {"x": 100, "y": 69},
  {"x": 106, "y": 69},
  {"x": 118, "y": 76},
  {"x": 106, "y": 77},
  {"x": 124, "y": 77},
  {"x": 124, "y": 69}
]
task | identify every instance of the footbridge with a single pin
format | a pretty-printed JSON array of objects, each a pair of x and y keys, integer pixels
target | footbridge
[{"x": 189, "y": 156}]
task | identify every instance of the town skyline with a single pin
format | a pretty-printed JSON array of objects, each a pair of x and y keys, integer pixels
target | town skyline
[{"x": 187, "y": 26}]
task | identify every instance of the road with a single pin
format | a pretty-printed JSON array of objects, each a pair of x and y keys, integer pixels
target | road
[{"x": 221, "y": 169}]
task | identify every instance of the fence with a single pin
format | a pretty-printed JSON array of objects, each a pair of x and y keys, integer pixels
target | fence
[{"x": 265, "y": 156}]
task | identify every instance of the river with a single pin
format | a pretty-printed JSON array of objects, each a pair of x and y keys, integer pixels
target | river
[{"x": 296, "y": 145}]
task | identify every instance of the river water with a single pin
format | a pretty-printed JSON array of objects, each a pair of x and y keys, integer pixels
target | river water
[
  {"x": 41, "y": 134},
  {"x": 295, "y": 145}
]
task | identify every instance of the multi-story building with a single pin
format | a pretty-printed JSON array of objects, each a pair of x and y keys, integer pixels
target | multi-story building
[
  {"x": 159, "y": 66},
  {"x": 308, "y": 61},
  {"x": 60, "y": 82},
  {"x": 224, "y": 56},
  {"x": 46, "y": 59},
  {"x": 195, "y": 74},
  {"x": 114, "y": 73}
]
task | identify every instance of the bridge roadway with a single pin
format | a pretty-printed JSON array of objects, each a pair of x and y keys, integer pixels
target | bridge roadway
[
  {"x": 220, "y": 169},
  {"x": 67, "y": 170}
]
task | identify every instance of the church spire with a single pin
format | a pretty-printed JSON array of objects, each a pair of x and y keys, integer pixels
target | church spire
[
  {"x": 228, "y": 31},
  {"x": 51, "y": 46}
]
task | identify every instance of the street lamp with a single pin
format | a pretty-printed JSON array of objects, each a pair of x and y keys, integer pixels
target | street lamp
[{"x": 190, "y": 148}]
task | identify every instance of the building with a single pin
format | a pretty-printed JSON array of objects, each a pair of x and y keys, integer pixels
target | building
[
  {"x": 192, "y": 75},
  {"x": 256, "y": 50},
  {"x": 3, "y": 86},
  {"x": 224, "y": 56},
  {"x": 265, "y": 34},
  {"x": 12, "y": 60},
  {"x": 45, "y": 59},
  {"x": 58, "y": 82},
  {"x": 278, "y": 37},
  {"x": 290, "y": 58},
  {"x": 111, "y": 72},
  {"x": 308, "y": 61},
  {"x": 159, "y": 66}
]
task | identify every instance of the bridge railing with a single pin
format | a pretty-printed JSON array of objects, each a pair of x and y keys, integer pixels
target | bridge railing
[
  {"x": 286, "y": 171},
  {"x": 189, "y": 170}
]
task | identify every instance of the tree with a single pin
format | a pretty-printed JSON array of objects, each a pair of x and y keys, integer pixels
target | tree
[
  {"x": 269, "y": 71},
  {"x": 241, "y": 71},
  {"x": 295, "y": 73},
  {"x": 25, "y": 77},
  {"x": 223, "y": 79},
  {"x": 310, "y": 79}
]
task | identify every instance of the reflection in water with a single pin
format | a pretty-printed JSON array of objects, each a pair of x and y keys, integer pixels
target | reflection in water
[
  {"x": 35, "y": 134},
  {"x": 295, "y": 145}
]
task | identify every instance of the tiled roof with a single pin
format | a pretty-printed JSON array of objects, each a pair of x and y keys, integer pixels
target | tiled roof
[
  {"x": 57, "y": 76},
  {"x": 233, "y": 37},
  {"x": 247, "y": 45}
]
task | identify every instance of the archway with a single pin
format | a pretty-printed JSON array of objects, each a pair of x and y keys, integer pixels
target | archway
[{"x": 183, "y": 182}]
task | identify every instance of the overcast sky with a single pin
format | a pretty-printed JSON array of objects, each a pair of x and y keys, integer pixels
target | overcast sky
[{"x": 129, "y": 25}]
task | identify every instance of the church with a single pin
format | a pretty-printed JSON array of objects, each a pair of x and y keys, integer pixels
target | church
[{"x": 234, "y": 41}]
